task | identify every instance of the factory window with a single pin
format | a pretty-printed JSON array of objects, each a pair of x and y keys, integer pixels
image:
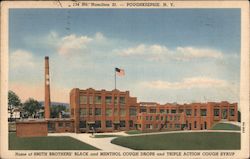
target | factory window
[
  {"x": 98, "y": 100},
  {"x": 231, "y": 112},
  {"x": 82, "y": 124},
  {"x": 177, "y": 125},
  {"x": 157, "y": 117},
  {"x": 175, "y": 117},
  {"x": 216, "y": 112},
  {"x": 203, "y": 112},
  {"x": 83, "y": 112},
  {"x": 67, "y": 124},
  {"x": 122, "y": 100},
  {"x": 83, "y": 99},
  {"x": 108, "y": 112},
  {"x": 108, "y": 99},
  {"x": 132, "y": 111},
  {"x": 108, "y": 124},
  {"x": 131, "y": 123},
  {"x": 98, "y": 111},
  {"x": 143, "y": 110},
  {"x": 205, "y": 125},
  {"x": 116, "y": 101},
  {"x": 90, "y": 99},
  {"x": 173, "y": 111},
  {"x": 162, "y": 111},
  {"x": 60, "y": 124},
  {"x": 90, "y": 111},
  {"x": 122, "y": 123},
  {"x": 115, "y": 111},
  {"x": 224, "y": 113},
  {"x": 151, "y": 117},
  {"x": 98, "y": 124},
  {"x": 122, "y": 112},
  {"x": 166, "y": 126},
  {"x": 188, "y": 112},
  {"x": 139, "y": 125},
  {"x": 152, "y": 111}
]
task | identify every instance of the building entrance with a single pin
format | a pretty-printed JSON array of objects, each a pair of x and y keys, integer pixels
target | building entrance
[{"x": 116, "y": 126}]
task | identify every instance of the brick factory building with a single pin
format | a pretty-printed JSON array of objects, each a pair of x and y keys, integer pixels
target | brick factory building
[
  {"x": 195, "y": 116},
  {"x": 103, "y": 110},
  {"x": 108, "y": 111}
]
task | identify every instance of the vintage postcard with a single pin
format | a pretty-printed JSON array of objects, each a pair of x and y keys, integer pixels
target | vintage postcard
[{"x": 124, "y": 79}]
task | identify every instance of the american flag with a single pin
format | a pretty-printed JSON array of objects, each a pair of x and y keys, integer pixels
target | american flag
[{"x": 120, "y": 72}]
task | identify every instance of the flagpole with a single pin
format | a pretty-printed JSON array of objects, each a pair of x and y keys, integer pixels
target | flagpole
[{"x": 115, "y": 78}]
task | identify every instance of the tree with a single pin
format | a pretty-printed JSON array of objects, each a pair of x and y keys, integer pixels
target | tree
[
  {"x": 13, "y": 99},
  {"x": 31, "y": 106},
  {"x": 56, "y": 109},
  {"x": 13, "y": 102}
]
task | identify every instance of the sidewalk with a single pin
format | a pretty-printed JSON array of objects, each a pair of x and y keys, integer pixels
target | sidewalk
[{"x": 100, "y": 143}]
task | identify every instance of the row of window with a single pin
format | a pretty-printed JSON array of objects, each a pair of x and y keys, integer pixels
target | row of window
[
  {"x": 189, "y": 125},
  {"x": 108, "y": 111},
  {"x": 98, "y": 100},
  {"x": 224, "y": 113},
  {"x": 108, "y": 124},
  {"x": 161, "y": 118},
  {"x": 203, "y": 112},
  {"x": 61, "y": 124},
  {"x": 156, "y": 126}
]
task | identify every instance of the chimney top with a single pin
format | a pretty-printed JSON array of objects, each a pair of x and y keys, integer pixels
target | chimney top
[{"x": 46, "y": 57}]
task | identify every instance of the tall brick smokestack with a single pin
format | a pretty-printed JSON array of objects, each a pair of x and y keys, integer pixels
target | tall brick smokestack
[{"x": 47, "y": 89}]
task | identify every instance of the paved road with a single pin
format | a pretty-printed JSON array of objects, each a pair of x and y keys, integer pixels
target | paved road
[{"x": 105, "y": 143}]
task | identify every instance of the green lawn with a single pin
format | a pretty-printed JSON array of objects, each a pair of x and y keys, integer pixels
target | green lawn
[
  {"x": 47, "y": 143},
  {"x": 225, "y": 126},
  {"x": 182, "y": 141},
  {"x": 104, "y": 136}
]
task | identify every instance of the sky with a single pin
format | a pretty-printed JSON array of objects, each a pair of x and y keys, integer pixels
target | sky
[{"x": 169, "y": 55}]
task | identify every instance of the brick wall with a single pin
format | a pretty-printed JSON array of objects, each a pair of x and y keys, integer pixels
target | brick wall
[{"x": 31, "y": 128}]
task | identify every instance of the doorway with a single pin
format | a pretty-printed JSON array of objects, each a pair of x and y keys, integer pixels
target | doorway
[{"x": 116, "y": 126}]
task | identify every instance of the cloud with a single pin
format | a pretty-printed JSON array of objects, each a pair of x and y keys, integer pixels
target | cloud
[
  {"x": 72, "y": 44},
  {"x": 99, "y": 36},
  {"x": 160, "y": 52},
  {"x": 21, "y": 58},
  {"x": 138, "y": 50},
  {"x": 185, "y": 53},
  {"x": 187, "y": 83}
]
